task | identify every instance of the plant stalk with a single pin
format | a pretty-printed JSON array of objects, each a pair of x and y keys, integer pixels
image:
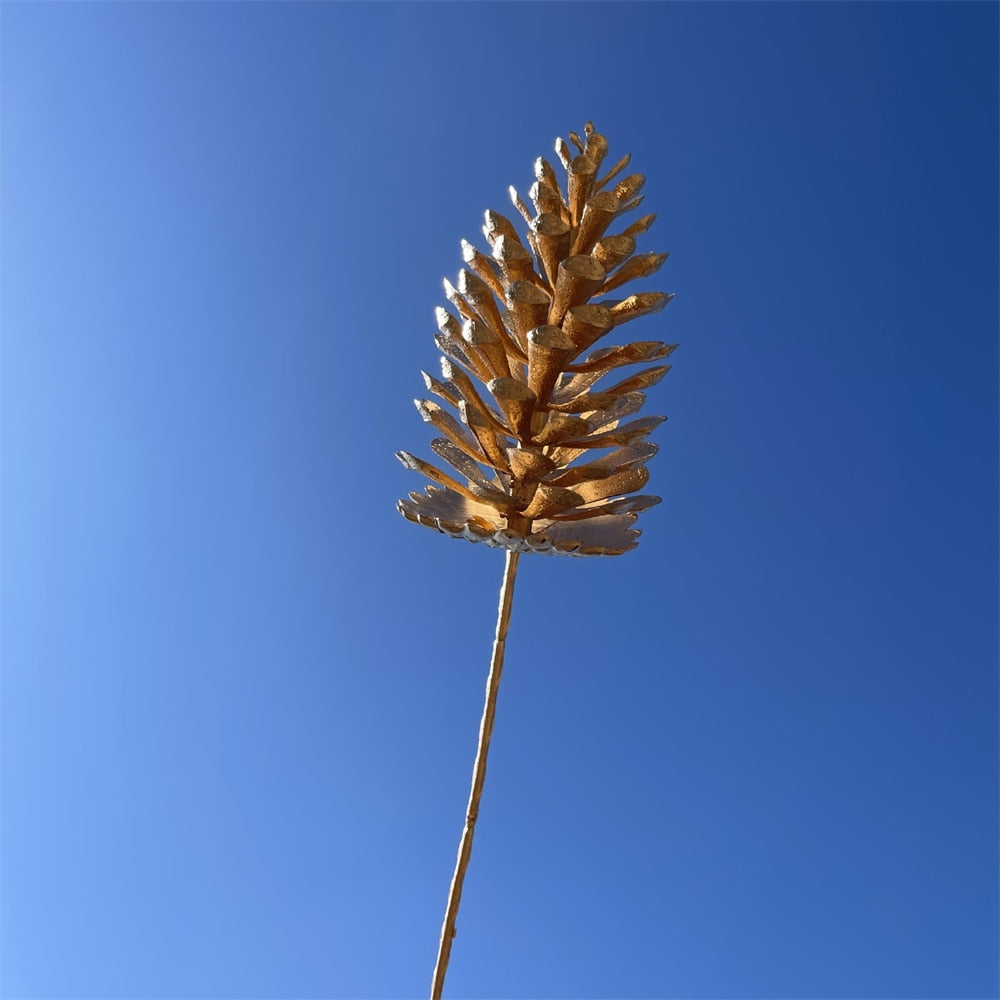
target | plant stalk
[{"x": 478, "y": 774}]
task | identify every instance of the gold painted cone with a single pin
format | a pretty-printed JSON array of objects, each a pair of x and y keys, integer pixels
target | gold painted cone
[{"x": 539, "y": 459}]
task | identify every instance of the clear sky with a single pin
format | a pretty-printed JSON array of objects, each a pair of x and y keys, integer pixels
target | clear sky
[{"x": 756, "y": 758}]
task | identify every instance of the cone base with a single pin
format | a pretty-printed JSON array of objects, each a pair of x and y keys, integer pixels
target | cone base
[{"x": 604, "y": 534}]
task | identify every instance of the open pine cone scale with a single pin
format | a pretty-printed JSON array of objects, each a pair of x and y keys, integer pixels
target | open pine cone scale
[{"x": 520, "y": 368}]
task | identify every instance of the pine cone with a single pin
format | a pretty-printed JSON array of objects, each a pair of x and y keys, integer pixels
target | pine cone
[{"x": 525, "y": 476}]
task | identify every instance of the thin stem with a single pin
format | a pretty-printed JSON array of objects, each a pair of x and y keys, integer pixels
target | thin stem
[{"x": 478, "y": 774}]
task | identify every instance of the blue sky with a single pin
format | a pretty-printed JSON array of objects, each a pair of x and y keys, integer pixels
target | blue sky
[{"x": 756, "y": 758}]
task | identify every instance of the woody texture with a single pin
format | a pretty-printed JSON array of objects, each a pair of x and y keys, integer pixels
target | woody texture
[{"x": 540, "y": 447}]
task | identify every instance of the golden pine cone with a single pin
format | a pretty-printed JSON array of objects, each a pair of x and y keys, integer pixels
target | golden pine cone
[{"x": 522, "y": 452}]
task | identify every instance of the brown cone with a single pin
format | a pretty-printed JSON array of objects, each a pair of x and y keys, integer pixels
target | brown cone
[{"x": 534, "y": 407}]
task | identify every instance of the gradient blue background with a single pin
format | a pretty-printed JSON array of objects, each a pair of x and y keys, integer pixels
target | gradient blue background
[{"x": 757, "y": 758}]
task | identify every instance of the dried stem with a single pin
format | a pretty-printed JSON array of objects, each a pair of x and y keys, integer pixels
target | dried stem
[{"x": 478, "y": 774}]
